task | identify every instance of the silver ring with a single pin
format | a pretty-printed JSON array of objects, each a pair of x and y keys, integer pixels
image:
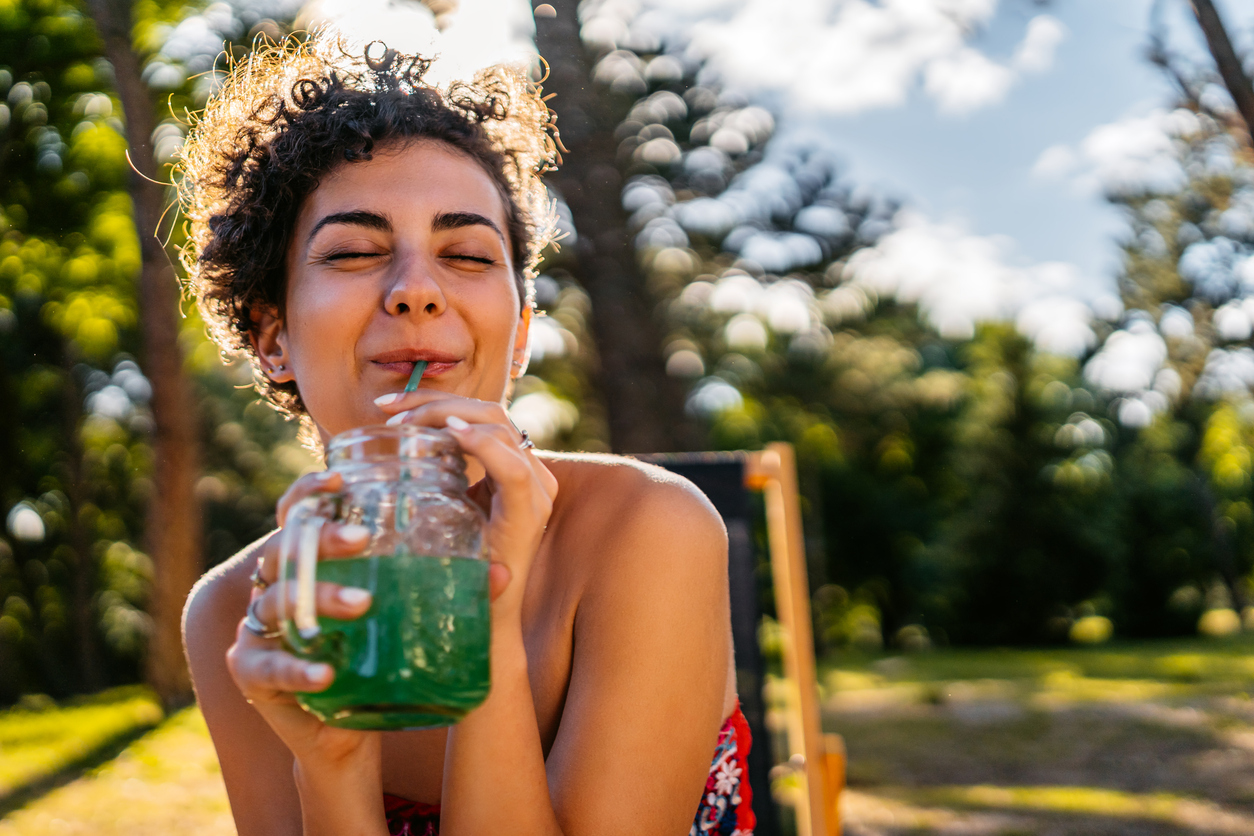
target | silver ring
[
  {"x": 254, "y": 625},
  {"x": 526, "y": 443}
]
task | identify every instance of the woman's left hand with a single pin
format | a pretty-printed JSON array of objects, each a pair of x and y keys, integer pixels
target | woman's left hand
[{"x": 521, "y": 489}]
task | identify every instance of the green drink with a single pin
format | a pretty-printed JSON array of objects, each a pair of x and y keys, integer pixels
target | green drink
[{"x": 418, "y": 657}]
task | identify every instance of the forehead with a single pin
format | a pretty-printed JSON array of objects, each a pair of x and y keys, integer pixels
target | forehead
[{"x": 401, "y": 179}]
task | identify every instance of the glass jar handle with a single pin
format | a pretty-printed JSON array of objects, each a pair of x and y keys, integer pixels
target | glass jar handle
[{"x": 298, "y": 562}]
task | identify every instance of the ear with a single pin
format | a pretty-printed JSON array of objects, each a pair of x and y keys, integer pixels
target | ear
[
  {"x": 522, "y": 344},
  {"x": 269, "y": 339}
]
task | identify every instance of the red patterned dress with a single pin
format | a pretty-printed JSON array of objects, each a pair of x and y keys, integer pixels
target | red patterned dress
[{"x": 725, "y": 808}]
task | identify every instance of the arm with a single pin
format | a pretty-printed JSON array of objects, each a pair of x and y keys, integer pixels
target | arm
[
  {"x": 256, "y": 766},
  {"x": 285, "y": 772},
  {"x": 652, "y": 644}
]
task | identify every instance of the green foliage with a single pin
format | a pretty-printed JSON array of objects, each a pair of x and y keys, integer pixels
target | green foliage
[{"x": 75, "y": 459}]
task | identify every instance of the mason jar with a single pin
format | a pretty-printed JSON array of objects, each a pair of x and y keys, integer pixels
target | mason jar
[{"x": 419, "y": 656}]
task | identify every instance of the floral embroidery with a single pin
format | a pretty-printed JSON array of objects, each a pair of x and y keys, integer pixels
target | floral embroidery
[{"x": 725, "y": 808}]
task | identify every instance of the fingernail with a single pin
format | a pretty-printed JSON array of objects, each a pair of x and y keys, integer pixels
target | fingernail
[
  {"x": 384, "y": 400},
  {"x": 354, "y": 532},
  {"x": 397, "y": 418},
  {"x": 353, "y": 596},
  {"x": 455, "y": 423},
  {"x": 317, "y": 673}
]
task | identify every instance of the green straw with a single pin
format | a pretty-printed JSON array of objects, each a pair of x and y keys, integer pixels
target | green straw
[
  {"x": 401, "y": 520},
  {"x": 415, "y": 376}
]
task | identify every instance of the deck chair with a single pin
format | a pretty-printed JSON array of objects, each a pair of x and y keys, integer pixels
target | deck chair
[{"x": 728, "y": 480}]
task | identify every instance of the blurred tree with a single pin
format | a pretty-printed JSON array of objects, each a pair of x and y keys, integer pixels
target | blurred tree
[
  {"x": 75, "y": 463},
  {"x": 174, "y": 532},
  {"x": 66, "y": 308},
  {"x": 1180, "y": 366},
  {"x": 1031, "y": 534},
  {"x": 643, "y": 404}
]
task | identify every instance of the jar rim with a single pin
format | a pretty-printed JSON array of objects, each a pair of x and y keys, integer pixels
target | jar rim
[{"x": 438, "y": 442}]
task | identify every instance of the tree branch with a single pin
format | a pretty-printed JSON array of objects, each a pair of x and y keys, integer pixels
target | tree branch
[{"x": 1230, "y": 69}]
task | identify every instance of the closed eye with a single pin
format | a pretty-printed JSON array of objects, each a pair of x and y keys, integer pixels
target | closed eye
[
  {"x": 343, "y": 256},
  {"x": 474, "y": 258}
]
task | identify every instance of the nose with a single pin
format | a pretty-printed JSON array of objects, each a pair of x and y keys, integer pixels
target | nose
[{"x": 413, "y": 288}]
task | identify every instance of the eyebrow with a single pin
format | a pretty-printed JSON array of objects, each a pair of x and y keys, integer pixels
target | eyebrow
[
  {"x": 370, "y": 220},
  {"x": 457, "y": 220}
]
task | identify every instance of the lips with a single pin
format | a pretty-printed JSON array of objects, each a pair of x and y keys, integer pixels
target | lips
[{"x": 401, "y": 362}]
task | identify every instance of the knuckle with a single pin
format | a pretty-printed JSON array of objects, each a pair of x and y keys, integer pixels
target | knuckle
[{"x": 270, "y": 667}]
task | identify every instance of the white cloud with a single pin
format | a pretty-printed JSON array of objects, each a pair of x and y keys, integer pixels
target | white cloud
[
  {"x": 1036, "y": 53},
  {"x": 835, "y": 56},
  {"x": 1139, "y": 152},
  {"x": 959, "y": 279},
  {"x": 966, "y": 81}
]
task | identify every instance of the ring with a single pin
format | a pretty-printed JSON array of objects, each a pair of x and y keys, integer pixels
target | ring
[
  {"x": 254, "y": 625},
  {"x": 258, "y": 582},
  {"x": 526, "y": 443}
]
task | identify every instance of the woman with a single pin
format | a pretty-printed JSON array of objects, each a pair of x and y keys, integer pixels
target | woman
[{"x": 348, "y": 221}]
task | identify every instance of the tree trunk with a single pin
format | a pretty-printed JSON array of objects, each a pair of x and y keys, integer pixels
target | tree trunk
[
  {"x": 1230, "y": 69},
  {"x": 173, "y": 527},
  {"x": 644, "y": 405}
]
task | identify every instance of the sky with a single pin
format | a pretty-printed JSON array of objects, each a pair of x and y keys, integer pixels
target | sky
[{"x": 976, "y": 169}]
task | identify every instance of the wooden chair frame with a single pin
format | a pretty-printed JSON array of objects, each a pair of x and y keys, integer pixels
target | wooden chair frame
[{"x": 773, "y": 471}]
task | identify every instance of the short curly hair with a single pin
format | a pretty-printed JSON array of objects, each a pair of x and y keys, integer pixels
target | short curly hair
[{"x": 292, "y": 112}]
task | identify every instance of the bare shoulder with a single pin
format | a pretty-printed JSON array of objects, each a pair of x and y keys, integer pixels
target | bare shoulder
[{"x": 635, "y": 515}]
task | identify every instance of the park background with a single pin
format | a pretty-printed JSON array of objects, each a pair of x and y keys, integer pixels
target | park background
[{"x": 989, "y": 266}]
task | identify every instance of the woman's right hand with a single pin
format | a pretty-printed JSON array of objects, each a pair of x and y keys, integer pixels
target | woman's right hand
[{"x": 266, "y": 674}]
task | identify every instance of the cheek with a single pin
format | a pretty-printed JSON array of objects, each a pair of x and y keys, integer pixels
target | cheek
[
  {"x": 322, "y": 320},
  {"x": 493, "y": 315}
]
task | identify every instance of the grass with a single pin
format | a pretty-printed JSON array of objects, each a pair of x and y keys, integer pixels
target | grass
[
  {"x": 1148, "y": 739},
  {"x": 167, "y": 782},
  {"x": 1138, "y": 738},
  {"x": 40, "y": 740}
]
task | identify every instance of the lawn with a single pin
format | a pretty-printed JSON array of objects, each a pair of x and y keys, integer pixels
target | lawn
[
  {"x": 40, "y": 740},
  {"x": 1150, "y": 739},
  {"x": 166, "y": 782},
  {"x": 1121, "y": 739}
]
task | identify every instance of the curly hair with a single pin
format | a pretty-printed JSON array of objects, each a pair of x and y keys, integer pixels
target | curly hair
[{"x": 291, "y": 113}]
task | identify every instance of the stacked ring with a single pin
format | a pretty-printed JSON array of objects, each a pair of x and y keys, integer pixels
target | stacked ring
[
  {"x": 256, "y": 626},
  {"x": 526, "y": 443}
]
